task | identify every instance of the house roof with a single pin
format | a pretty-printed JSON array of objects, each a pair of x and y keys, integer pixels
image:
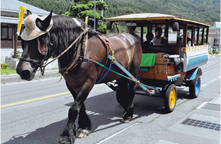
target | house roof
[
  {"x": 10, "y": 9},
  {"x": 13, "y": 6},
  {"x": 9, "y": 20},
  {"x": 216, "y": 25}
]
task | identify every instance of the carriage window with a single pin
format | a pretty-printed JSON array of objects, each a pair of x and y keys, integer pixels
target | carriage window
[
  {"x": 201, "y": 35},
  {"x": 189, "y": 38},
  {"x": 172, "y": 36},
  {"x": 196, "y": 36}
]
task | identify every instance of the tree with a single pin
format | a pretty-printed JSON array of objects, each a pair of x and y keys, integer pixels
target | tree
[{"x": 83, "y": 8}]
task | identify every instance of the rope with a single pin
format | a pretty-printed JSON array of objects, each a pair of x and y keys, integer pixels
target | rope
[
  {"x": 105, "y": 73},
  {"x": 118, "y": 73},
  {"x": 67, "y": 48}
]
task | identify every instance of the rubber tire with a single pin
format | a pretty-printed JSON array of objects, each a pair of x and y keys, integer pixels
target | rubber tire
[
  {"x": 194, "y": 87},
  {"x": 167, "y": 99}
]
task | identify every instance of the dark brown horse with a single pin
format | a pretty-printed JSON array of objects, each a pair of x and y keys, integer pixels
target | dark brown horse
[{"x": 80, "y": 78}]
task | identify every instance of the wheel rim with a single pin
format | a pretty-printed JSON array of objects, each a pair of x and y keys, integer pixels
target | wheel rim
[
  {"x": 197, "y": 88},
  {"x": 172, "y": 98}
]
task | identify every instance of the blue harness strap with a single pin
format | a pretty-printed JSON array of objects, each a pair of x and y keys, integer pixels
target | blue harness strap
[{"x": 105, "y": 73}]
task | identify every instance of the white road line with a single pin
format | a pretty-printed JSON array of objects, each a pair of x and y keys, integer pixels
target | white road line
[
  {"x": 210, "y": 82},
  {"x": 116, "y": 133},
  {"x": 33, "y": 81},
  {"x": 200, "y": 106},
  {"x": 204, "y": 103}
]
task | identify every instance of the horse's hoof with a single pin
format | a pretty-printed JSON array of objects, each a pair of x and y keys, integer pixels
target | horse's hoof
[
  {"x": 82, "y": 133},
  {"x": 126, "y": 120},
  {"x": 64, "y": 140}
]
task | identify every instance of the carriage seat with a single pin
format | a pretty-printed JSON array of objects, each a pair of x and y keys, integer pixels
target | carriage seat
[{"x": 147, "y": 61}]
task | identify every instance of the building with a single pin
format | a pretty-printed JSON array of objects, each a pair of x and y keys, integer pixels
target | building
[
  {"x": 9, "y": 20},
  {"x": 214, "y": 35}
]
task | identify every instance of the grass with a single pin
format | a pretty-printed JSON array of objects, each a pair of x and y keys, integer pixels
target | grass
[
  {"x": 8, "y": 71},
  {"x": 154, "y": 119}
]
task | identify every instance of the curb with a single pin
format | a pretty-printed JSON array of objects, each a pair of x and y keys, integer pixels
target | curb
[{"x": 16, "y": 78}]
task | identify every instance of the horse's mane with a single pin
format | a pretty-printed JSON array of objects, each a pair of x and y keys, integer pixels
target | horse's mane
[{"x": 64, "y": 32}]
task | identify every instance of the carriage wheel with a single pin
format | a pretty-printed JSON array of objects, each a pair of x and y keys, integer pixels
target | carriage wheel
[
  {"x": 170, "y": 98},
  {"x": 194, "y": 87}
]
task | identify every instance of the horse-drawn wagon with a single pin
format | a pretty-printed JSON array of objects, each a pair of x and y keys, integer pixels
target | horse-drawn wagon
[
  {"x": 176, "y": 60},
  {"x": 85, "y": 58}
]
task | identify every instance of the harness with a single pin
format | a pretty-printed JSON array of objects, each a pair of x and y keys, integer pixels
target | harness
[{"x": 80, "y": 57}]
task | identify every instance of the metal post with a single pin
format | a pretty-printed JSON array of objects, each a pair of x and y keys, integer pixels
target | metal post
[
  {"x": 94, "y": 14},
  {"x": 102, "y": 13},
  {"x": 15, "y": 48}
]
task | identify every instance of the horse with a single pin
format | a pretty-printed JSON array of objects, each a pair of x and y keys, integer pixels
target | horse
[{"x": 77, "y": 65}]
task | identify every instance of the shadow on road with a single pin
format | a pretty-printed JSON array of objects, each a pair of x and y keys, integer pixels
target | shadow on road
[{"x": 102, "y": 109}]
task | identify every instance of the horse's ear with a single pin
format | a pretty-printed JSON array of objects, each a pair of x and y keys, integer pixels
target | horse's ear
[
  {"x": 43, "y": 25},
  {"x": 28, "y": 12}
]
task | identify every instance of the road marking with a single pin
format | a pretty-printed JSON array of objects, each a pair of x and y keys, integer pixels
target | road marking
[
  {"x": 210, "y": 82},
  {"x": 33, "y": 81},
  {"x": 41, "y": 98},
  {"x": 116, "y": 133},
  {"x": 204, "y": 103},
  {"x": 213, "y": 61},
  {"x": 200, "y": 106}
]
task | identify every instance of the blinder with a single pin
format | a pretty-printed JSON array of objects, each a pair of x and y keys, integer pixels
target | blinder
[{"x": 43, "y": 50}]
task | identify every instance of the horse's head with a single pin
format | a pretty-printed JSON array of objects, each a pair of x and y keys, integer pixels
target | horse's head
[{"x": 35, "y": 44}]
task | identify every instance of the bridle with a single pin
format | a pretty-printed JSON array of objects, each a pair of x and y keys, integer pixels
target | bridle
[
  {"x": 39, "y": 63},
  {"x": 43, "y": 63}
]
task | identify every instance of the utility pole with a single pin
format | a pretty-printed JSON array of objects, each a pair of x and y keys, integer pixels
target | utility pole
[
  {"x": 102, "y": 13},
  {"x": 94, "y": 14}
]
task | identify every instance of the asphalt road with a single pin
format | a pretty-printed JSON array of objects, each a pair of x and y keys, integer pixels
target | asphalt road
[{"x": 36, "y": 112}]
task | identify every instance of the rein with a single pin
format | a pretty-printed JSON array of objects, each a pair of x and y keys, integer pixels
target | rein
[{"x": 66, "y": 49}]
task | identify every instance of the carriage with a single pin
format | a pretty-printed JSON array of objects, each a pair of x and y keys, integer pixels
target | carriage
[
  {"x": 86, "y": 57},
  {"x": 174, "y": 63}
]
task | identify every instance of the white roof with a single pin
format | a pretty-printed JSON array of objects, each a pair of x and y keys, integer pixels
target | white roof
[
  {"x": 13, "y": 6},
  {"x": 152, "y": 17},
  {"x": 9, "y": 20},
  {"x": 10, "y": 9}
]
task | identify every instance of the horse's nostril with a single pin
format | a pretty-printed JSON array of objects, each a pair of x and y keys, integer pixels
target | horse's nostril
[{"x": 25, "y": 74}]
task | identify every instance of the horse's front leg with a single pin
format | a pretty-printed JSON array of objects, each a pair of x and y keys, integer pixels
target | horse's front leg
[
  {"x": 84, "y": 123},
  {"x": 69, "y": 134}
]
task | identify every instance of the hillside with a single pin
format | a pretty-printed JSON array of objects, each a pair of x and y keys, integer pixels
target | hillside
[{"x": 202, "y": 10}]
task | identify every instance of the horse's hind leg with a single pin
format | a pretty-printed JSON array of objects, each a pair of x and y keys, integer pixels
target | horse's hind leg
[
  {"x": 128, "y": 113},
  {"x": 121, "y": 92},
  {"x": 125, "y": 95}
]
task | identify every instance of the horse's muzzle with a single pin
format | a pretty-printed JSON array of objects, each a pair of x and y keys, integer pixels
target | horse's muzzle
[{"x": 26, "y": 72}]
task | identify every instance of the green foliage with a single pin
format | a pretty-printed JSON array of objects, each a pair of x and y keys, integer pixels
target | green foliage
[
  {"x": 58, "y": 6},
  {"x": 18, "y": 53},
  {"x": 102, "y": 28},
  {"x": 201, "y": 10},
  {"x": 8, "y": 71},
  {"x": 83, "y": 8},
  {"x": 4, "y": 66}
]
